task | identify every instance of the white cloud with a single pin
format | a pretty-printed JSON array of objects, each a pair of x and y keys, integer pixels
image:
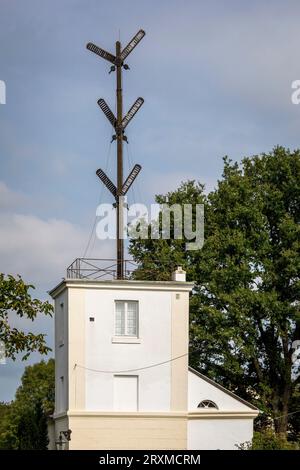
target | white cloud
[
  {"x": 39, "y": 249},
  {"x": 10, "y": 199}
]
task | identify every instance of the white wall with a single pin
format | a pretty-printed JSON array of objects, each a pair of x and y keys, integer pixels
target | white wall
[
  {"x": 218, "y": 434},
  {"x": 199, "y": 390},
  {"x": 61, "y": 352},
  {"x": 103, "y": 354},
  {"x": 126, "y": 393}
]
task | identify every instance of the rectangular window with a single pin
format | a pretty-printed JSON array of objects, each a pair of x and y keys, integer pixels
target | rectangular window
[
  {"x": 125, "y": 392},
  {"x": 61, "y": 325},
  {"x": 61, "y": 395},
  {"x": 126, "y": 318}
]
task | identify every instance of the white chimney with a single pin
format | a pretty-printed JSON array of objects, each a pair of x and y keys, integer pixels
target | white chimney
[{"x": 179, "y": 274}]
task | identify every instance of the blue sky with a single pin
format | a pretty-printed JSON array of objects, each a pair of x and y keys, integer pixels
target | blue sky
[{"x": 216, "y": 78}]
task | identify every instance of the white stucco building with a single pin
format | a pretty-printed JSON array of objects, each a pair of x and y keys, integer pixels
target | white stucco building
[{"x": 122, "y": 379}]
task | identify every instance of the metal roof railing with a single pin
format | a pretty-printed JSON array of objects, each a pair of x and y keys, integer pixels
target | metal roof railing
[{"x": 93, "y": 268}]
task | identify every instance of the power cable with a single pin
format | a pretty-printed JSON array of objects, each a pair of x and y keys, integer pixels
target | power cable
[
  {"x": 100, "y": 198},
  {"x": 136, "y": 369}
]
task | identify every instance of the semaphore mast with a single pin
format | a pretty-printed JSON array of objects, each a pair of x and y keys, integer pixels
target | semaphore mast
[{"x": 119, "y": 124}]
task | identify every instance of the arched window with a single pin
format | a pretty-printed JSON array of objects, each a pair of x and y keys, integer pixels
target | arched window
[{"x": 207, "y": 404}]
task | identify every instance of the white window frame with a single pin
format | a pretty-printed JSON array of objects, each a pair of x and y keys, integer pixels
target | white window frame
[{"x": 126, "y": 335}]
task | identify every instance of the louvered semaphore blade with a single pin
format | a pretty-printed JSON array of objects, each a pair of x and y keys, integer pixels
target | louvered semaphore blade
[
  {"x": 107, "y": 111},
  {"x": 130, "y": 178},
  {"x": 101, "y": 52},
  {"x": 132, "y": 44},
  {"x": 133, "y": 110},
  {"x": 107, "y": 182}
]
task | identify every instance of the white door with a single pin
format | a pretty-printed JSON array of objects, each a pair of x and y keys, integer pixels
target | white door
[{"x": 125, "y": 392}]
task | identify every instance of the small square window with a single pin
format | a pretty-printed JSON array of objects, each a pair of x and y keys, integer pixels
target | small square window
[{"x": 126, "y": 318}]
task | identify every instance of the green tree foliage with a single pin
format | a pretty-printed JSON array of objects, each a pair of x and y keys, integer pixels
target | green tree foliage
[
  {"x": 157, "y": 257},
  {"x": 294, "y": 417},
  {"x": 268, "y": 440},
  {"x": 15, "y": 299},
  {"x": 37, "y": 386},
  {"x": 4, "y": 411},
  {"x": 24, "y": 424},
  {"x": 245, "y": 305},
  {"x": 32, "y": 430}
]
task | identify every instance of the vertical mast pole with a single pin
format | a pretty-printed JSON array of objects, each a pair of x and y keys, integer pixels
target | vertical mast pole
[{"x": 120, "y": 243}]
